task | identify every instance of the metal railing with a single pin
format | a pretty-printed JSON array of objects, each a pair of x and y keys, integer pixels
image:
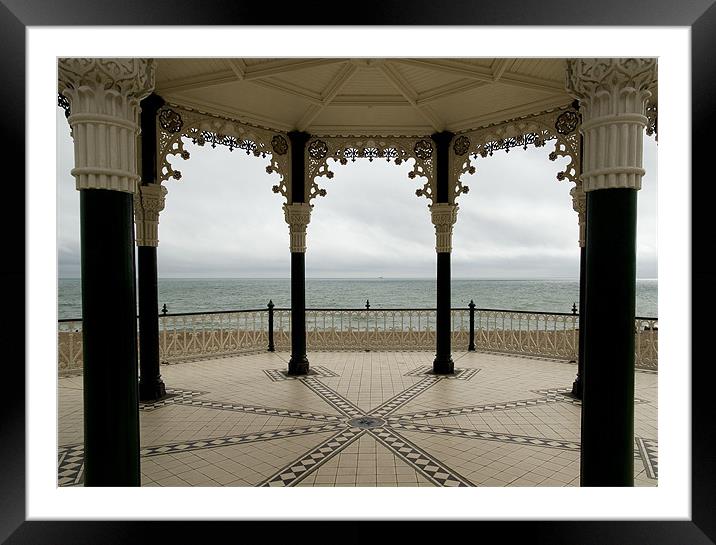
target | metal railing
[{"x": 203, "y": 335}]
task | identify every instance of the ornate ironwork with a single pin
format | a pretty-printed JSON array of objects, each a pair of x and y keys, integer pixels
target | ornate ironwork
[
  {"x": 523, "y": 141},
  {"x": 461, "y": 145},
  {"x": 175, "y": 124},
  {"x": 423, "y": 149},
  {"x": 567, "y": 122},
  {"x": 318, "y": 149},
  {"x": 212, "y": 335},
  {"x": 523, "y": 132},
  {"x": 170, "y": 120},
  {"x": 343, "y": 149},
  {"x": 64, "y": 103},
  {"x": 279, "y": 144},
  {"x": 652, "y": 119}
]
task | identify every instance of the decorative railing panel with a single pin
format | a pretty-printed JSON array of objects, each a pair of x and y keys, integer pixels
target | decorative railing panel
[
  {"x": 185, "y": 337},
  {"x": 191, "y": 336},
  {"x": 538, "y": 334}
]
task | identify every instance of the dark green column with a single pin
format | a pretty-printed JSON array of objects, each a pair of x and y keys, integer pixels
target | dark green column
[
  {"x": 151, "y": 385},
  {"x": 443, "y": 363},
  {"x": 608, "y": 381},
  {"x": 111, "y": 411},
  {"x": 298, "y": 364},
  {"x": 577, "y": 386}
]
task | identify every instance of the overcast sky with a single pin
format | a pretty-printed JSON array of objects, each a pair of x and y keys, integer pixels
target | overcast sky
[{"x": 222, "y": 219}]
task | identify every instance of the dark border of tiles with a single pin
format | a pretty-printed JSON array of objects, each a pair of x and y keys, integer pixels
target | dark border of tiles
[
  {"x": 649, "y": 453},
  {"x": 465, "y": 373},
  {"x": 296, "y": 471},
  {"x": 437, "y": 472},
  {"x": 277, "y": 375}
]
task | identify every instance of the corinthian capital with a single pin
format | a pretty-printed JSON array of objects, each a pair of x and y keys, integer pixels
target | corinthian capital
[
  {"x": 298, "y": 216},
  {"x": 104, "y": 97},
  {"x": 443, "y": 216},
  {"x": 612, "y": 97},
  {"x": 148, "y": 203}
]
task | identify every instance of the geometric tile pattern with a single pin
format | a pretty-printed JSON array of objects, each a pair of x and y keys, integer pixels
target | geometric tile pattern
[
  {"x": 338, "y": 402},
  {"x": 489, "y": 436},
  {"x": 565, "y": 395},
  {"x": 254, "y": 409},
  {"x": 381, "y": 424},
  {"x": 460, "y": 374},
  {"x": 277, "y": 375},
  {"x": 174, "y": 396},
  {"x": 649, "y": 452},
  {"x": 201, "y": 444},
  {"x": 432, "y": 468},
  {"x": 394, "y": 403},
  {"x": 70, "y": 465},
  {"x": 294, "y": 472}
]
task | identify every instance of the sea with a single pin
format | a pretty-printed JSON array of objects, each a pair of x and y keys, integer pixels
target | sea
[{"x": 214, "y": 294}]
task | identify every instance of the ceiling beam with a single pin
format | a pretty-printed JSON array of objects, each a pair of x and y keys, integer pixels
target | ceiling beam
[
  {"x": 444, "y": 91},
  {"x": 310, "y": 96},
  {"x": 236, "y": 114},
  {"x": 486, "y": 74},
  {"x": 404, "y": 88},
  {"x": 281, "y": 66},
  {"x": 475, "y": 72},
  {"x": 238, "y": 66},
  {"x": 196, "y": 82},
  {"x": 328, "y": 94},
  {"x": 500, "y": 116},
  {"x": 498, "y": 68}
]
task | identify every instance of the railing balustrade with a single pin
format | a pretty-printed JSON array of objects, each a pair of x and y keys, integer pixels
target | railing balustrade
[{"x": 190, "y": 336}]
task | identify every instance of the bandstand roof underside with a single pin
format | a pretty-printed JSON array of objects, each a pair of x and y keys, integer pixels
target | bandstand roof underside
[{"x": 381, "y": 97}]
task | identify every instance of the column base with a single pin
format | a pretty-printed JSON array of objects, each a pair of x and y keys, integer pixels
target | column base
[
  {"x": 298, "y": 366},
  {"x": 151, "y": 391},
  {"x": 443, "y": 366},
  {"x": 577, "y": 387}
]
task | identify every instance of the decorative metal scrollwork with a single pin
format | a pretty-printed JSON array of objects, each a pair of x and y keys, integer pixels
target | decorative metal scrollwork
[
  {"x": 393, "y": 149},
  {"x": 461, "y": 145},
  {"x": 567, "y": 122},
  {"x": 652, "y": 119},
  {"x": 279, "y": 144},
  {"x": 559, "y": 125},
  {"x": 170, "y": 120},
  {"x": 176, "y": 123},
  {"x": 64, "y": 103},
  {"x": 318, "y": 149},
  {"x": 423, "y": 149}
]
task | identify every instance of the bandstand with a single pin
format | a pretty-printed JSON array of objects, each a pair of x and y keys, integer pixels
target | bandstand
[{"x": 131, "y": 118}]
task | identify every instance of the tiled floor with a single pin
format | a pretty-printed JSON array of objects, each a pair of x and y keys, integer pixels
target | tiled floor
[{"x": 363, "y": 419}]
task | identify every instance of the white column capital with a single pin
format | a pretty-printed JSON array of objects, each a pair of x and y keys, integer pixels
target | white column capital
[
  {"x": 579, "y": 204},
  {"x": 148, "y": 203},
  {"x": 104, "y": 97},
  {"x": 443, "y": 216},
  {"x": 612, "y": 97},
  {"x": 298, "y": 216}
]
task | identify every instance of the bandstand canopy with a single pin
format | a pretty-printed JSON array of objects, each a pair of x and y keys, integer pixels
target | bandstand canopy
[{"x": 380, "y": 97}]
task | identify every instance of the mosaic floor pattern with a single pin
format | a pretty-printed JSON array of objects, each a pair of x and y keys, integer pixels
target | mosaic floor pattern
[{"x": 362, "y": 419}]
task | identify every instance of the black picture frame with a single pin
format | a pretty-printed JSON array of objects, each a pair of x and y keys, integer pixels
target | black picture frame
[{"x": 699, "y": 15}]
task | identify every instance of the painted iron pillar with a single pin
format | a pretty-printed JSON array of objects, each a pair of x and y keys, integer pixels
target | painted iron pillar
[
  {"x": 612, "y": 94},
  {"x": 298, "y": 216},
  {"x": 104, "y": 96},
  {"x": 148, "y": 203},
  {"x": 443, "y": 215}
]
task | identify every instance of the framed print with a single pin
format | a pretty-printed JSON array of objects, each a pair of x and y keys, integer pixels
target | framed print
[{"x": 425, "y": 36}]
